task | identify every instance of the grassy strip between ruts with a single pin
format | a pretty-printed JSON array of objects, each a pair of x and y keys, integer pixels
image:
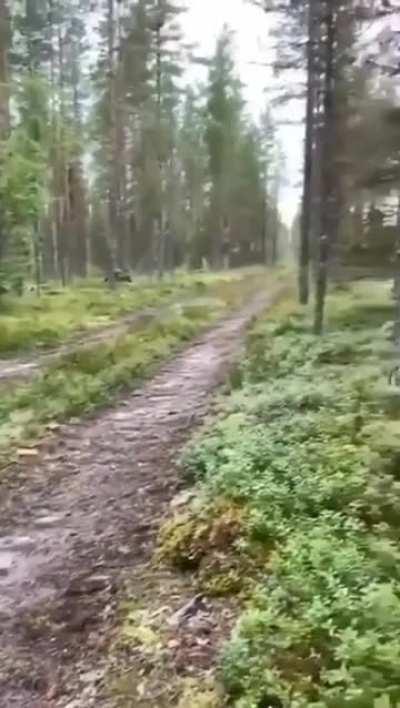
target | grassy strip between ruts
[
  {"x": 30, "y": 322},
  {"x": 298, "y": 510},
  {"x": 88, "y": 378}
]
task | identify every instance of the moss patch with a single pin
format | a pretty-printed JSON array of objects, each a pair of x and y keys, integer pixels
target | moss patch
[{"x": 209, "y": 541}]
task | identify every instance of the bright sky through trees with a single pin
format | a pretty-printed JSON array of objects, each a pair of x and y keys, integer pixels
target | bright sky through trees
[{"x": 202, "y": 25}]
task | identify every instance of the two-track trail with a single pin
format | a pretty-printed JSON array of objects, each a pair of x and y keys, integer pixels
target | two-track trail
[{"x": 87, "y": 509}]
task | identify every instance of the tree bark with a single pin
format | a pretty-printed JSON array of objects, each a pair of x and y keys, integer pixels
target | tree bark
[
  {"x": 112, "y": 187},
  {"x": 76, "y": 180},
  {"x": 396, "y": 285},
  {"x": 4, "y": 98},
  {"x": 307, "y": 199},
  {"x": 328, "y": 183},
  {"x": 4, "y": 69},
  {"x": 160, "y": 217}
]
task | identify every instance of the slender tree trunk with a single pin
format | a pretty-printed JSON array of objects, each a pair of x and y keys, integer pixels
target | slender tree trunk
[
  {"x": 61, "y": 238},
  {"x": 275, "y": 222},
  {"x": 64, "y": 214},
  {"x": 265, "y": 229},
  {"x": 112, "y": 187},
  {"x": 307, "y": 200},
  {"x": 160, "y": 217},
  {"x": 328, "y": 182},
  {"x": 4, "y": 69},
  {"x": 118, "y": 148},
  {"x": 78, "y": 220},
  {"x": 76, "y": 180},
  {"x": 357, "y": 230},
  {"x": 396, "y": 285},
  {"x": 54, "y": 228},
  {"x": 4, "y": 99},
  {"x": 316, "y": 191},
  {"x": 37, "y": 258}
]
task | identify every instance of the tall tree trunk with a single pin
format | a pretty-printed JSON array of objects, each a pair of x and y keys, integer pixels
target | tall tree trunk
[
  {"x": 316, "y": 189},
  {"x": 63, "y": 194},
  {"x": 47, "y": 228},
  {"x": 160, "y": 216},
  {"x": 52, "y": 265},
  {"x": 357, "y": 226},
  {"x": 37, "y": 258},
  {"x": 76, "y": 180},
  {"x": 328, "y": 177},
  {"x": 275, "y": 226},
  {"x": 307, "y": 199},
  {"x": 396, "y": 285},
  {"x": 4, "y": 69},
  {"x": 121, "y": 152},
  {"x": 4, "y": 98},
  {"x": 78, "y": 220},
  {"x": 264, "y": 246},
  {"x": 112, "y": 186}
]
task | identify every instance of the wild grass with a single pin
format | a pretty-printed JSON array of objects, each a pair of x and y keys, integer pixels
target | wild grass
[
  {"x": 32, "y": 322},
  {"x": 88, "y": 378}
]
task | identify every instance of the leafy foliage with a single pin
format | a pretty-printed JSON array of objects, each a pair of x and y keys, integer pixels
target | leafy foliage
[{"x": 295, "y": 448}]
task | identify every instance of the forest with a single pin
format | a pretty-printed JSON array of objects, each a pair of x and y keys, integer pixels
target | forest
[
  {"x": 112, "y": 160},
  {"x": 199, "y": 354}
]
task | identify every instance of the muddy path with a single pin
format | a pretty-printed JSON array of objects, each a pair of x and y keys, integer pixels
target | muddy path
[{"x": 73, "y": 521}]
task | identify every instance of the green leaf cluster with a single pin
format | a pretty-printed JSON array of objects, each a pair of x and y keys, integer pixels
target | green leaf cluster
[{"x": 295, "y": 448}]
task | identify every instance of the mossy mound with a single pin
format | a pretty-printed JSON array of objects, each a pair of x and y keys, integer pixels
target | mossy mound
[{"x": 207, "y": 541}]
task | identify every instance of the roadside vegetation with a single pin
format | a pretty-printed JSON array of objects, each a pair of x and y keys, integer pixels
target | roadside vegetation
[
  {"x": 89, "y": 377},
  {"x": 297, "y": 510},
  {"x": 29, "y": 322}
]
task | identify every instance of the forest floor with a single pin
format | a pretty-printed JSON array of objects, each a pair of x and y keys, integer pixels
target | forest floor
[
  {"x": 40, "y": 393},
  {"x": 24, "y": 367},
  {"x": 292, "y": 524},
  {"x": 78, "y": 519},
  {"x": 36, "y": 332}
]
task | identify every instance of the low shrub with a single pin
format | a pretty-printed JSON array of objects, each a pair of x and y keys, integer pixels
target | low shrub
[{"x": 306, "y": 448}]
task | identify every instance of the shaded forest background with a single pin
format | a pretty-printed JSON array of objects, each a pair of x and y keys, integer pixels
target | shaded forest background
[
  {"x": 111, "y": 161},
  {"x": 341, "y": 60}
]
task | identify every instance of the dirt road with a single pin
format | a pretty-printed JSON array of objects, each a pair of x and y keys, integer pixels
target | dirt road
[{"x": 75, "y": 519}]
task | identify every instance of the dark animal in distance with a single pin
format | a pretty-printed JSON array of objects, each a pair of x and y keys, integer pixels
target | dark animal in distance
[
  {"x": 394, "y": 376},
  {"x": 118, "y": 276}
]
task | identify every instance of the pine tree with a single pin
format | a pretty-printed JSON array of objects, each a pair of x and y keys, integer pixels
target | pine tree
[
  {"x": 223, "y": 128},
  {"x": 168, "y": 176},
  {"x": 193, "y": 154}
]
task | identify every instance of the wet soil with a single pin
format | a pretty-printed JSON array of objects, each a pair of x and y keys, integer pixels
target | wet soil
[{"x": 79, "y": 518}]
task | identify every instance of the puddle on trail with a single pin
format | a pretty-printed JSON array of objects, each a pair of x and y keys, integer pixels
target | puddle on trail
[
  {"x": 48, "y": 520},
  {"x": 20, "y": 560},
  {"x": 13, "y": 552}
]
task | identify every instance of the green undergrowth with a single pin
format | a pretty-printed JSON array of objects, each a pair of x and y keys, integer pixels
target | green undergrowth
[
  {"x": 91, "y": 377},
  {"x": 32, "y": 322},
  {"x": 305, "y": 454}
]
